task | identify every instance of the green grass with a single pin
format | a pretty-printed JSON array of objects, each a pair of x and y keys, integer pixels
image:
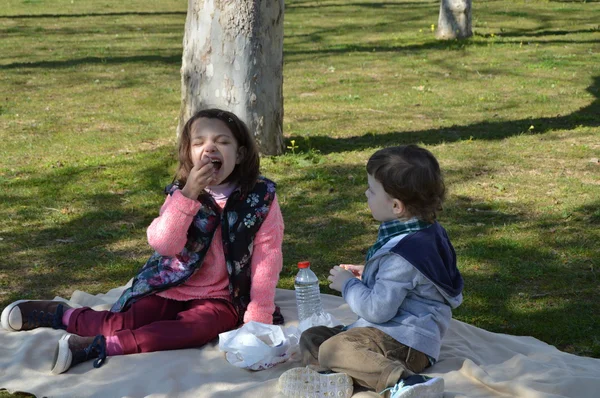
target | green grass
[{"x": 89, "y": 97}]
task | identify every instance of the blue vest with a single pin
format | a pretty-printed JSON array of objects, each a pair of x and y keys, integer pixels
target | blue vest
[{"x": 430, "y": 251}]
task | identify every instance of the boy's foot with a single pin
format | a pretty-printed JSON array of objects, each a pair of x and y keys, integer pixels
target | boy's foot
[
  {"x": 417, "y": 386},
  {"x": 73, "y": 349},
  {"x": 31, "y": 314},
  {"x": 307, "y": 383}
]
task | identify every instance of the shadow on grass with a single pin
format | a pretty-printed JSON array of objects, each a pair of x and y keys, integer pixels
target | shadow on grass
[
  {"x": 361, "y": 17},
  {"x": 535, "y": 289},
  {"x": 170, "y": 59},
  {"x": 411, "y": 48},
  {"x": 315, "y": 36},
  {"x": 96, "y": 14},
  {"x": 539, "y": 33},
  {"x": 587, "y": 117},
  {"x": 375, "y": 5},
  {"x": 83, "y": 248}
]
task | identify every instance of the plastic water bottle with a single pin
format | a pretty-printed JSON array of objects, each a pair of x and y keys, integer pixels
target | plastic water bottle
[{"x": 308, "y": 295}]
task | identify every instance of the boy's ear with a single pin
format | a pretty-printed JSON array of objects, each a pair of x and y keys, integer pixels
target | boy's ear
[
  {"x": 398, "y": 207},
  {"x": 241, "y": 154}
]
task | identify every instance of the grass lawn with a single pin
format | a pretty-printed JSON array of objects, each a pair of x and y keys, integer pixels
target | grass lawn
[{"x": 89, "y": 99}]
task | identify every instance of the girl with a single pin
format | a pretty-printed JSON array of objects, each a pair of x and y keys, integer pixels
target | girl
[{"x": 217, "y": 258}]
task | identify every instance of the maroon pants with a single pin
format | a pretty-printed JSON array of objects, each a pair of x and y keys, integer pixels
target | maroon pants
[{"x": 158, "y": 324}]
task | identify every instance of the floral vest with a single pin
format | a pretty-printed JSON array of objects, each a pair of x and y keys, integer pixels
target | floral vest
[{"x": 240, "y": 219}]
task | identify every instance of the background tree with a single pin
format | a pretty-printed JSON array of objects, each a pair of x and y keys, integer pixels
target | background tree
[
  {"x": 233, "y": 59},
  {"x": 454, "y": 21}
]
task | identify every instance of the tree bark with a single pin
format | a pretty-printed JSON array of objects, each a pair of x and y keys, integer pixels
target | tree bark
[
  {"x": 233, "y": 59},
  {"x": 455, "y": 20}
]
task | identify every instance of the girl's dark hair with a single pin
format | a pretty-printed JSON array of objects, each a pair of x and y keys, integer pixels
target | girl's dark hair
[
  {"x": 246, "y": 172},
  {"x": 412, "y": 175}
]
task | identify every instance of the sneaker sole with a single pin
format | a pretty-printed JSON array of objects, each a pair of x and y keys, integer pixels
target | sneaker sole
[
  {"x": 4, "y": 318},
  {"x": 433, "y": 388},
  {"x": 62, "y": 356},
  {"x": 306, "y": 383}
]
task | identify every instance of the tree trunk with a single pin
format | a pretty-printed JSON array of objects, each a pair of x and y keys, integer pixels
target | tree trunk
[
  {"x": 455, "y": 20},
  {"x": 233, "y": 59}
]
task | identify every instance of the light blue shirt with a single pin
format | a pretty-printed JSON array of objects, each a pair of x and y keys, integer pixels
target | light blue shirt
[{"x": 396, "y": 298}]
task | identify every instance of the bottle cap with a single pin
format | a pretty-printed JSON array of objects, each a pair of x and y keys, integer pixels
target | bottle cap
[{"x": 304, "y": 264}]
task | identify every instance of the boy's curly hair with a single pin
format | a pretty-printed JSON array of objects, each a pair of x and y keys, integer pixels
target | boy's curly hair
[{"x": 412, "y": 175}]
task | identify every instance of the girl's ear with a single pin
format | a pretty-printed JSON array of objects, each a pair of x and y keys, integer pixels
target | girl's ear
[
  {"x": 398, "y": 207},
  {"x": 241, "y": 154}
]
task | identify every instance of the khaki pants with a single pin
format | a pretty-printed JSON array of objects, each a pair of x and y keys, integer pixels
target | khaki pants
[{"x": 372, "y": 358}]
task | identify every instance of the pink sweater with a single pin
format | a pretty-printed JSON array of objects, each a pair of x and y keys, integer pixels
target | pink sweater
[{"x": 168, "y": 234}]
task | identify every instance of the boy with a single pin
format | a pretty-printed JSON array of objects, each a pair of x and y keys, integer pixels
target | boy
[{"x": 403, "y": 295}]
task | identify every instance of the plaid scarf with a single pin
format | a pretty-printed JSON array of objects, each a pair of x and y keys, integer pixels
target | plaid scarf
[{"x": 390, "y": 229}]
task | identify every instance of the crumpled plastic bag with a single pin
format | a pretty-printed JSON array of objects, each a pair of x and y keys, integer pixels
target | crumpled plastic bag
[
  {"x": 258, "y": 346},
  {"x": 319, "y": 319}
]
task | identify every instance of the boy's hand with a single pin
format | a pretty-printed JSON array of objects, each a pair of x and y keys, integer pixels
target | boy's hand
[
  {"x": 338, "y": 276},
  {"x": 357, "y": 270},
  {"x": 200, "y": 177}
]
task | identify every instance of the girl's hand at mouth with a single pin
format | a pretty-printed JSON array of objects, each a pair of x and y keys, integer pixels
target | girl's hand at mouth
[{"x": 201, "y": 176}]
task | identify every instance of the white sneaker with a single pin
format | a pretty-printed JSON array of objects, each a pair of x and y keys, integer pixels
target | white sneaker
[
  {"x": 307, "y": 383},
  {"x": 418, "y": 386}
]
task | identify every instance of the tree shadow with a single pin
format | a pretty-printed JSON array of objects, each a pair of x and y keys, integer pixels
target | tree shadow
[
  {"x": 539, "y": 33},
  {"x": 94, "y": 14},
  {"x": 406, "y": 16},
  {"x": 549, "y": 279},
  {"x": 170, "y": 59},
  {"x": 85, "y": 248},
  {"x": 103, "y": 28},
  {"x": 374, "y": 5},
  {"x": 485, "y": 130},
  {"x": 410, "y": 48}
]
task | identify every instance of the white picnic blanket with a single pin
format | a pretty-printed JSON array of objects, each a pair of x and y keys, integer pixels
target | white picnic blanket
[{"x": 473, "y": 363}]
